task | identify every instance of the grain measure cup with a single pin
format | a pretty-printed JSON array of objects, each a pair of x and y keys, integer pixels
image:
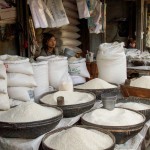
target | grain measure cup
[{"x": 109, "y": 100}]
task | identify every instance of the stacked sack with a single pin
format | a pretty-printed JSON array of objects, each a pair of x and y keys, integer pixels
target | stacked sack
[
  {"x": 67, "y": 36},
  {"x": 78, "y": 70},
  {"x": 4, "y": 99},
  {"x": 40, "y": 70},
  {"x": 57, "y": 68},
  {"x": 20, "y": 79}
]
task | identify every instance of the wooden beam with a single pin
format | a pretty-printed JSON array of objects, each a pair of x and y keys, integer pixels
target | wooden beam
[{"x": 139, "y": 23}]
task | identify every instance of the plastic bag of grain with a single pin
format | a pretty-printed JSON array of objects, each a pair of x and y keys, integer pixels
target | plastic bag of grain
[
  {"x": 111, "y": 62},
  {"x": 4, "y": 101},
  {"x": 66, "y": 83},
  {"x": 72, "y": 28},
  {"x": 2, "y": 70},
  {"x": 20, "y": 80},
  {"x": 3, "y": 78},
  {"x": 66, "y": 34},
  {"x": 78, "y": 80},
  {"x": 78, "y": 67},
  {"x": 17, "y": 64},
  {"x": 21, "y": 93},
  {"x": 40, "y": 70},
  {"x": 57, "y": 67},
  {"x": 68, "y": 41}
]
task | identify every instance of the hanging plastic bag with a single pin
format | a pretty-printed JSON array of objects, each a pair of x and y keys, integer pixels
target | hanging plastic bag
[{"x": 66, "y": 83}]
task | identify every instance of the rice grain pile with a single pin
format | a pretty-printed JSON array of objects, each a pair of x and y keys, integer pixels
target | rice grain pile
[
  {"x": 116, "y": 117},
  {"x": 28, "y": 112},
  {"x": 142, "y": 82},
  {"x": 96, "y": 84},
  {"x": 133, "y": 105},
  {"x": 70, "y": 98},
  {"x": 76, "y": 138}
]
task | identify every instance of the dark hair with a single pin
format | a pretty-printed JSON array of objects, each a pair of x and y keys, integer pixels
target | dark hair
[{"x": 46, "y": 37}]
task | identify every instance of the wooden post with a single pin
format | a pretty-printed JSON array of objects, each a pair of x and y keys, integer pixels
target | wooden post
[
  {"x": 145, "y": 24},
  {"x": 139, "y": 24}
]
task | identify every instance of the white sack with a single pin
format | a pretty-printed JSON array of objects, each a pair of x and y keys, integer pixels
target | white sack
[
  {"x": 66, "y": 34},
  {"x": 68, "y": 41},
  {"x": 17, "y": 64},
  {"x": 57, "y": 66},
  {"x": 3, "y": 86},
  {"x": 71, "y": 28},
  {"x": 2, "y": 70},
  {"x": 22, "y": 80},
  {"x": 66, "y": 83},
  {"x": 78, "y": 80},
  {"x": 58, "y": 12},
  {"x": 78, "y": 68},
  {"x": 40, "y": 70},
  {"x": 111, "y": 62},
  {"x": 4, "y": 102},
  {"x": 21, "y": 93}
]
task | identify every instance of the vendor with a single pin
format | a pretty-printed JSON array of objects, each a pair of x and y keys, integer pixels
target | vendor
[
  {"x": 48, "y": 45},
  {"x": 131, "y": 43}
]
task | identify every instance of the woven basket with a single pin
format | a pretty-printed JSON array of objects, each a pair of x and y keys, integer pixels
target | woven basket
[
  {"x": 81, "y": 126},
  {"x": 127, "y": 91},
  {"x": 146, "y": 112},
  {"x": 73, "y": 110},
  {"x": 121, "y": 133},
  {"x": 29, "y": 130},
  {"x": 98, "y": 92}
]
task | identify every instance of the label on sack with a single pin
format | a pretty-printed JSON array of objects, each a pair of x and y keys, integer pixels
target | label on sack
[{"x": 31, "y": 94}]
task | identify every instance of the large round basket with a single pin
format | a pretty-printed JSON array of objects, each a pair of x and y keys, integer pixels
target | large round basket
[
  {"x": 45, "y": 147},
  {"x": 73, "y": 110},
  {"x": 98, "y": 92},
  {"x": 29, "y": 130},
  {"x": 146, "y": 112},
  {"x": 121, "y": 133}
]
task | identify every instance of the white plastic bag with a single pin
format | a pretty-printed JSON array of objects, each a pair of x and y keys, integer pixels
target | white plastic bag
[
  {"x": 3, "y": 86},
  {"x": 2, "y": 71},
  {"x": 17, "y": 64},
  {"x": 21, "y": 93},
  {"x": 78, "y": 68},
  {"x": 66, "y": 83},
  {"x": 22, "y": 80},
  {"x": 78, "y": 79},
  {"x": 4, "y": 102},
  {"x": 111, "y": 62}
]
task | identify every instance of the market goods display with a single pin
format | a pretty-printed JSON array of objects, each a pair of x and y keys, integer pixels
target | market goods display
[
  {"x": 142, "y": 82},
  {"x": 70, "y": 98},
  {"x": 28, "y": 120},
  {"x": 72, "y": 103},
  {"x": 133, "y": 105},
  {"x": 123, "y": 123},
  {"x": 97, "y": 86},
  {"x": 78, "y": 138},
  {"x": 141, "y": 105},
  {"x": 139, "y": 87}
]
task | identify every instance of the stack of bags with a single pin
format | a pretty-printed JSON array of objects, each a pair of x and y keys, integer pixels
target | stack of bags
[
  {"x": 57, "y": 68},
  {"x": 20, "y": 79},
  {"x": 40, "y": 70},
  {"x": 4, "y": 99}
]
